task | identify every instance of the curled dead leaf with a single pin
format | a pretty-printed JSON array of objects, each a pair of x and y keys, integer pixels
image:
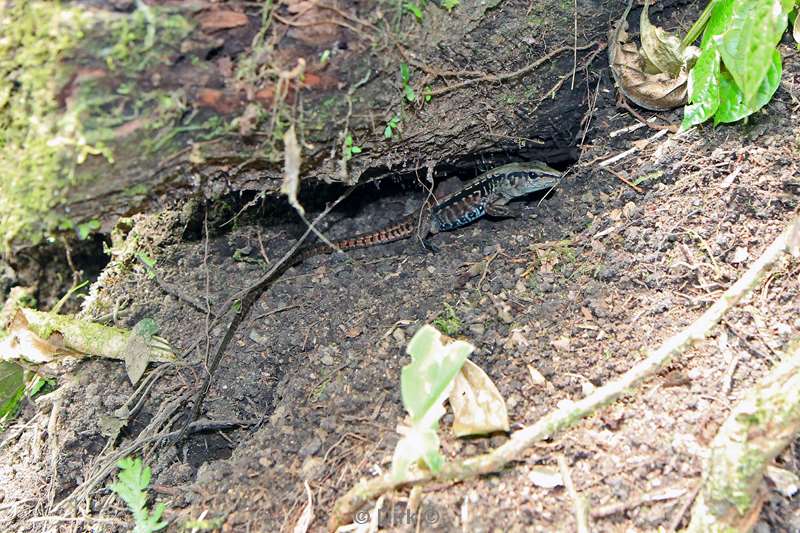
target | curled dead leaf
[
  {"x": 478, "y": 407},
  {"x": 633, "y": 70},
  {"x": 291, "y": 172},
  {"x": 660, "y": 49}
]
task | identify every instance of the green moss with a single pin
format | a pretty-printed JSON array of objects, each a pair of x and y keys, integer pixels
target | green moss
[
  {"x": 40, "y": 145},
  {"x": 46, "y": 132},
  {"x": 448, "y": 322}
]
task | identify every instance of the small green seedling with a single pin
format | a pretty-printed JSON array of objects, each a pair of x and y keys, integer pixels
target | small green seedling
[
  {"x": 350, "y": 149},
  {"x": 392, "y": 125},
  {"x": 149, "y": 264},
  {"x": 324, "y": 57},
  {"x": 449, "y": 5},
  {"x": 131, "y": 486},
  {"x": 405, "y": 76},
  {"x": 425, "y": 384},
  {"x": 87, "y": 228},
  {"x": 414, "y": 9}
]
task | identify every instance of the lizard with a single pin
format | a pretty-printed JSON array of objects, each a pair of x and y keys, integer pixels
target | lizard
[{"x": 486, "y": 194}]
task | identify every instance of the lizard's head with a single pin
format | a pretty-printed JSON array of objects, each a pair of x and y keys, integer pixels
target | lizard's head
[{"x": 531, "y": 176}]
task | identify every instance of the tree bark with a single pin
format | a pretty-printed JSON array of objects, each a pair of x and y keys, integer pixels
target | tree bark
[{"x": 492, "y": 81}]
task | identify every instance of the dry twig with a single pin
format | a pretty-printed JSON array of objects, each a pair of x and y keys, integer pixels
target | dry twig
[{"x": 581, "y": 505}]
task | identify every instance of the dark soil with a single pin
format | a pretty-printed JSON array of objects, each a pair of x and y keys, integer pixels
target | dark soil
[{"x": 576, "y": 288}]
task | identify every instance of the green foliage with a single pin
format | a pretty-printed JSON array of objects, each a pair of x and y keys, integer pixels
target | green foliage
[
  {"x": 350, "y": 149},
  {"x": 739, "y": 68},
  {"x": 131, "y": 485},
  {"x": 448, "y": 322},
  {"x": 50, "y": 125},
  {"x": 392, "y": 125},
  {"x": 87, "y": 228},
  {"x": 425, "y": 383},
  {"x": 149, "y": 264},
  {"x": 414, "y": 9},
  {"x": 12, "y": 388},
  {"x": 137, "y": 36},
  {"x": 324, "y": 57},
  {"x": 449, "y": 5},
  {"x": 405, "y": 77},
  {"x": 15, "y": 382}
]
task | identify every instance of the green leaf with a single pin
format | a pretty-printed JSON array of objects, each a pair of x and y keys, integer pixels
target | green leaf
[
  {"x": 12, "y": 387},
  {"x": 733, "y": 105},
  {"x": 749, "y": 42},
  {"x": 428, "y": 93},
  {"x": 355, "y": 149},
  {"x": 388, "y": 132},
  {"x": 720, "y": 16},
  {"x": 410, "y": 96},
  {"x": 131, "y": 486},
  {"x": 425, "y": 382},
  {"x": 703, "y": 88},
  {"x": 417, "y": 444},
  {"x": 424, "y": 385},
  {"x": 404, "y": 73},
  {"x": 85, "y": 229},
  {"x": 449, "y": 5},
  {"x": 414, "y": 9},
  {"x": 146, "y": 259}
]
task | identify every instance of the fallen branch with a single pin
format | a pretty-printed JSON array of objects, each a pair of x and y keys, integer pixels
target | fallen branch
[
  {"x": 570, "y": 414},
  {"x": 758, "y": 429}
]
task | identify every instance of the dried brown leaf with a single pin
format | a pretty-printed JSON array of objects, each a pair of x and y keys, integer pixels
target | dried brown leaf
[
  {"x": 657, "y": 92},
  {"x": 477, "y": 404},
  {"x": 291, "y": 172},
  {"x": 662, "y": 49},
  {"x": 137, "y": 356}
]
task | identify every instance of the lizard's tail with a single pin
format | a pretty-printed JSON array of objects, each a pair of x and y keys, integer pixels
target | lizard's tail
[{"x": 396, "y": 232}]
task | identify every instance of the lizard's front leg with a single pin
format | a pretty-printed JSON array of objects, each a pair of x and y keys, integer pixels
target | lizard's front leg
[{"x": 499, "y": 209}]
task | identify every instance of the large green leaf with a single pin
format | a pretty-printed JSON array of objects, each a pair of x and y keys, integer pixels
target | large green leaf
[
  {"x": 747, "y": 45},
  {"x": 722, "y": 13},
  {"x": 703, "y": 88},
  {"x": 12, "y": 386},
  {"x": 733, "y": 105}
]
